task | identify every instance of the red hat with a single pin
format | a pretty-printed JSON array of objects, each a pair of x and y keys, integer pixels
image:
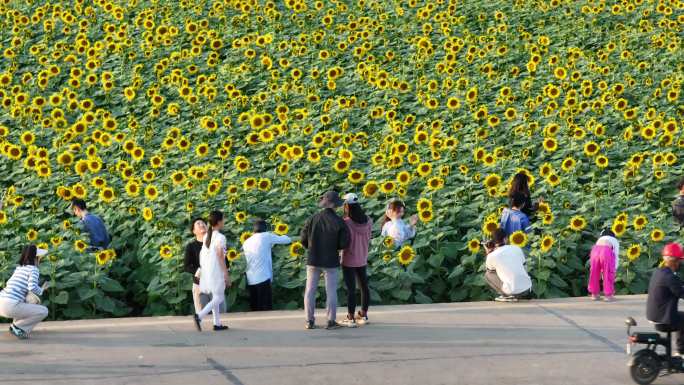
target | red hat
[{"x": 673, "y": 249}]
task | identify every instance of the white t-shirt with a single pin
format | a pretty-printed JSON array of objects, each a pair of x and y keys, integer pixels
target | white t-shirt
[
  {"x": 607, "y": 240},
  {"x": 399, "y": 230},
  {"x": 509, "y": 263},
  {"x": 257, "y": 249}
]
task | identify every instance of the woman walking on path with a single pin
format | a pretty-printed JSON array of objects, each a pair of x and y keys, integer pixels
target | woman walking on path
[
  {"x": 13, "y": 298},
  {"x": 213, "y": 271},
  {"x": 355, "y": 259}
]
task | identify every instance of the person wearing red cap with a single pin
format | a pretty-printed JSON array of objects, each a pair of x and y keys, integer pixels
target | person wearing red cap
[{"x": 664, "y": 292}]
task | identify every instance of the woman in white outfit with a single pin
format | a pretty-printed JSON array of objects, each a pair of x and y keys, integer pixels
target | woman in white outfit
[
  {"x": 214, "y": 276},
  {"x": 395, "y": 227},
  {"x": 13, "y": 298}
]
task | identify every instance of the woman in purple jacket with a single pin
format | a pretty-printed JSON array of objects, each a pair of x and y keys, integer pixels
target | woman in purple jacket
[{"x": 355, "y": 259}]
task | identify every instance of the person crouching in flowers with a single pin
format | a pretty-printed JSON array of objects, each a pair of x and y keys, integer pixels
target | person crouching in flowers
[
  {"x": 257, "y": 249},
  {"x": 355, "y": 259},
  {"x": 214, "y": 276},
  {"x": 19, "y": 299},
  {"x": 506, "y": 272},
  {"x": 603, "y": 261},
  {"x": 393, "y": 225}
]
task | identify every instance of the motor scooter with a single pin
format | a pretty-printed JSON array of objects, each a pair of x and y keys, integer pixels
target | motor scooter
[{"x": 645, "y": 365}]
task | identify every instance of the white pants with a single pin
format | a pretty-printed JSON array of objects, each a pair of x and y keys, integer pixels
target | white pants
[
  {"x": 214, "y": 306},
  {"x": 24, "y": 315}
]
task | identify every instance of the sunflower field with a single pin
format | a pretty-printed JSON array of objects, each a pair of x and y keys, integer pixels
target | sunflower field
[{"x": 157, "y": 111}]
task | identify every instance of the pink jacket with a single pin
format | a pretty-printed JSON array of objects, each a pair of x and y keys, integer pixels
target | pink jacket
[{"x": 356, "y": 254}]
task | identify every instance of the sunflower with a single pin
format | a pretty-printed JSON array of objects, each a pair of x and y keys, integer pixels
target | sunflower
[
  {"x": 474, "y": 246},
  {"x": 618, "y": 228},
  {"x": 639, "y": 222},
  {"x": 633, "y": 252},
  {"x": 492, "y": 180},
  {"x": 387, "y": 187},
  {"x": 151, "y": 192},
  {"x": 424, "y": 204},
  {"x": 424, "y": 169},
  {"x": 281, "y": 228},
  {"x": 31, "y": 235},
  {"x": 518, "y": 238},
  {"x": 132, "y": 188},
  {"x": 591, "y": 148},
  {"x": 403, "y": 178},
  {"x": 388, "y": 242},
  {"x": 147, "y": 214},
  {"x": 244, "y": 236},
  {"x": 355, "y": 176},
  {"x": 80, "y": 246},
  {"x": 165, "y": 252},
  {"x": 3, "y": 217},
  {"x": 578, "y": 223},
  {"x": 341, "y": 166},
  {"x": 550, "y": 144},
  {"x": 601, "y": 161},
  {"x": 435, "y": 183},
  {"x": 657, "y": 235},
  {"x": 370, "y": 188},
  {"x": 406, "y": 255},
  {"x": 546, "y": 243},
  {"x": 425, "y": 215},
  {"x": 240, "y": 217},
  {"x": 296, "y": 249},
  {"x": 107, "y": 194},
  {"x": 490, "y": 226},
  {"x": 102, "y": 257},
  {"x": 232, "y": 255},
  {"x": 568, "y": 164}
]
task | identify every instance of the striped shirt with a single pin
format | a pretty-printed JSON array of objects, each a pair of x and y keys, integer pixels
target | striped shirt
[{"x": 23, "y": 279}]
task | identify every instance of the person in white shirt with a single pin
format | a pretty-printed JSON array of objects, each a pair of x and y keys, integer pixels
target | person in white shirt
[
  {"x": 506, "y": 272},
  {"x": 394, "y": 226},
  {"x": 257, "y": 249}
]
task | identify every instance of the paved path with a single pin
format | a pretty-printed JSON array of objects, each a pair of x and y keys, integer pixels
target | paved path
[{"x": 568, "y": 341}]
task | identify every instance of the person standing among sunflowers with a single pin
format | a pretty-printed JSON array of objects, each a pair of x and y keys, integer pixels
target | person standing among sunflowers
[
  {"x": 92, "y": 224},
  {"x": 324, "y": 235}
]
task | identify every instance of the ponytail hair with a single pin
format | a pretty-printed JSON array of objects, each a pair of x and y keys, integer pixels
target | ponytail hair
[
  {"x": 394, "y": 205},
  {"x": 28, "y": 255},
  {"x": 215, "y": 217},
  {"x": 356, "y": 213}
]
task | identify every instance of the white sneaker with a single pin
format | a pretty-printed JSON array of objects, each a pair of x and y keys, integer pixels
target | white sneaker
[
  {"x": 350, "y": 323},
  {"x": 361, "y": 320},
  {"x": 506, "y": 298}
]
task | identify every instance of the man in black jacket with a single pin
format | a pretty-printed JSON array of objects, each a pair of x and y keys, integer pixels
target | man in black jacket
[
  {"x": 324, "y": 235},
  {"x": 664, "y": 292}
]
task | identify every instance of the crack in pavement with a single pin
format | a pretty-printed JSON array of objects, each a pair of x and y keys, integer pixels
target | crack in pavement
[
  {"x": 612, "y": 345},
  {"x": 224, "y": 371}
]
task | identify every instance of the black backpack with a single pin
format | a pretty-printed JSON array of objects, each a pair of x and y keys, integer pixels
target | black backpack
[{"x": 678, "y": 210}]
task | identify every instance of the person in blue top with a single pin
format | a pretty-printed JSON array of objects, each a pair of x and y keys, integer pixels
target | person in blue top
[
  {"x": 91, "y": 224},
  {"x": 514, "y": 219}
]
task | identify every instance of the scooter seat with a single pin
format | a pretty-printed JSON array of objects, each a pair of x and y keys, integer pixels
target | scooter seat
[{"x": 646, "y": 338}]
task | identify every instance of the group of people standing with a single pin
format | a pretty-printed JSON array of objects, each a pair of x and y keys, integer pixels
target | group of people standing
[{"x": 331, "y": 241}]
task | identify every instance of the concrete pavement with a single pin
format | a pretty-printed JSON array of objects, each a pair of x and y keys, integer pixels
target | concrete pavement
[{"x": 553, "y": 342}]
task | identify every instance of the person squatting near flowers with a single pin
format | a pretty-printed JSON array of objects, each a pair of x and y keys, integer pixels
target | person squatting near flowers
[
  {"x": 91, "y": 224},
  {"x": 198, "y": 227},
  {"x": 214, "y": 277},
  {"x": 393, "y": 225},
  {"x": 257, "y": 249},
  {"x": 603, "y": 261},
  {"x": 17, "y": 299},
  {"x": 355, "y": 259},
  {"x": 664, "y": 291},
  {"x": 506, "y": 272},
  {"x": 324, "y": 235}
]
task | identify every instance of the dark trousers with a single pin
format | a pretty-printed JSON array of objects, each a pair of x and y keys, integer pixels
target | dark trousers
[
  {"x": 260, "y": 296},
  {"x": 495, "y": 283},
  {"x": 351, "y": 275},
  {"x": 680, "y": 335}
]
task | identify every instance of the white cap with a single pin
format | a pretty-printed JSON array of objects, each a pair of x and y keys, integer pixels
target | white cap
[
  {"x": 350, "y": 198},
  {"x": 40, "y": 252}
]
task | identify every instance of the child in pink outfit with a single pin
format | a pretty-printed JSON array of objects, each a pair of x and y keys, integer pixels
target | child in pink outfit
[{"x": 603, "y": 264}]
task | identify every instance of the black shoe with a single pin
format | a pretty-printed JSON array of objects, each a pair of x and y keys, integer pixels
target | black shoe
[
  {"x": 220, "y": 327},
  {"x": 333, "y": 325},
  {"x": 198, "y": 322},
  {"x": 310, "y": 325},
  {"x": 18, "y": 332}
]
